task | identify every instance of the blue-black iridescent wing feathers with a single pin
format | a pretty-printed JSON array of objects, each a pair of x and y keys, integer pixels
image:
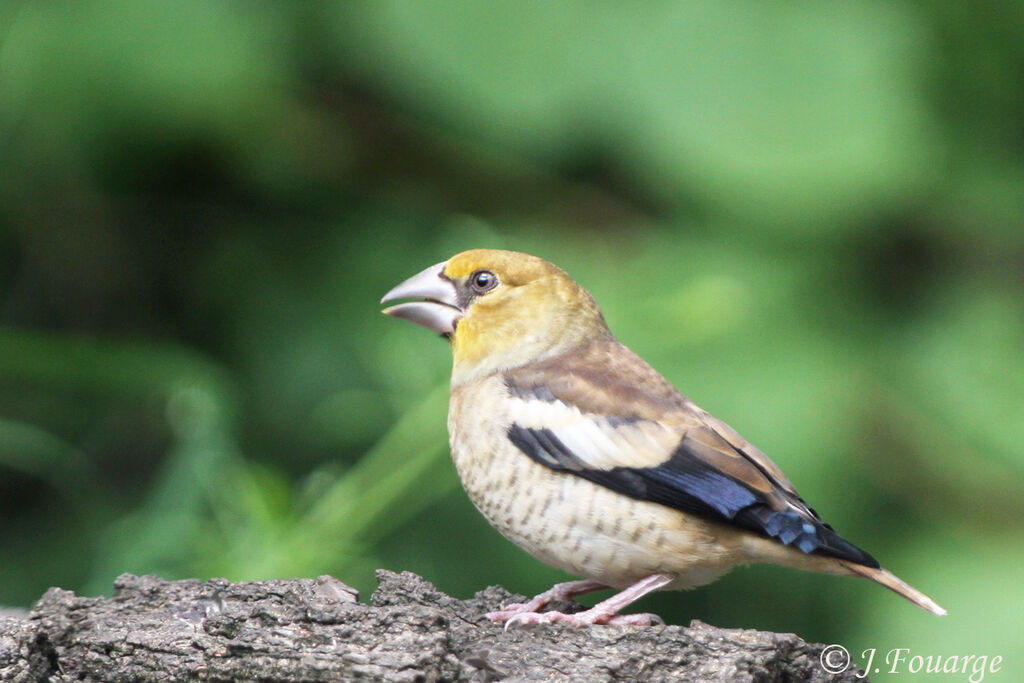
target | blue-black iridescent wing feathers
[{"x": 697, "y": 469}]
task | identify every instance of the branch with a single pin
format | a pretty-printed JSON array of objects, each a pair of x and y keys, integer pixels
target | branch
[{"x": 316, "y": 630}]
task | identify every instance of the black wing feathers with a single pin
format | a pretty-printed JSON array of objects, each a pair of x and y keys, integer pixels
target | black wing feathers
[{"x": 686, "y": 482}]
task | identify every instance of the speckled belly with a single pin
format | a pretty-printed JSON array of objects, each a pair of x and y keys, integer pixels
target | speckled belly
[{"x": 569, "y": 522}]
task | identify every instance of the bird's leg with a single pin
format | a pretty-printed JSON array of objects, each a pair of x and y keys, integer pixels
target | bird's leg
[
  {"x": 560, "y": 591},
  {"x": 606, "y": 612}
]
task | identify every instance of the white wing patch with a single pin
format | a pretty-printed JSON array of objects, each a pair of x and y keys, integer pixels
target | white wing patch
[{"x": 598, "y": 441}]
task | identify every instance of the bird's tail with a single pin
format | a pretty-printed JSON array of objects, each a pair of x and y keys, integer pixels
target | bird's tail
[{"x": 897, "y": 585}]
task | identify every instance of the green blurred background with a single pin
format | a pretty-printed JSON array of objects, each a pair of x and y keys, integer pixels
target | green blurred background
[{"x": 808, "y": 216}]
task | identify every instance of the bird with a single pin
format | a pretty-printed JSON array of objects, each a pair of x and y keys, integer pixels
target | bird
[{"x": 582, "y": 454}]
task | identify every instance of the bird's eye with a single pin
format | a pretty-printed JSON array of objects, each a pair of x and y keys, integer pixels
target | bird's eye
[{"x": 483, "y": 281}]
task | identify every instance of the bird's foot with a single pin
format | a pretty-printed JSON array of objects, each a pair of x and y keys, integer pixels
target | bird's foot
[
  {"x": 517, "y": 609},
  {"x": 510, "y": 611},
  {"x": 580, "y": 619},
  {"x": 562, "y": 592},
  {"x": 606, "y": 612}
]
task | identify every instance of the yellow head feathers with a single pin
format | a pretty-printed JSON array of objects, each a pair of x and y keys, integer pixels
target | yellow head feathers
[
  {"x": 501, "y": 309},
  {"x": 529, "y": 310}
]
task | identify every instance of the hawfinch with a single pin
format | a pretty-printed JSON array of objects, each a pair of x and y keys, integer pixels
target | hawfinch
[{"x": 580, "y": 453}]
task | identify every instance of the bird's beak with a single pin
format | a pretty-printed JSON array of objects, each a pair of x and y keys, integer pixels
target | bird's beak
[{"x": 440, "y": 310}]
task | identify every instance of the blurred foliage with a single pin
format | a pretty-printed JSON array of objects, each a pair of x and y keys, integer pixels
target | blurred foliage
[{"x": 809, "y": 216}]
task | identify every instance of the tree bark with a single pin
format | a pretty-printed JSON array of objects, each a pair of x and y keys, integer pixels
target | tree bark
[{"x": 316, "y": 630}]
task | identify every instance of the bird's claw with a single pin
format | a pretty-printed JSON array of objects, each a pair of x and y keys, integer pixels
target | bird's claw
[
  {"x": 580, "y": 619},
  {"x": 645, "y": 619},
  {"x": 509, "y": 611}
]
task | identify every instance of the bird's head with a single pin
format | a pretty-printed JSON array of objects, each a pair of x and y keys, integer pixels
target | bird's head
[{"x": 500, "y": 309}]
